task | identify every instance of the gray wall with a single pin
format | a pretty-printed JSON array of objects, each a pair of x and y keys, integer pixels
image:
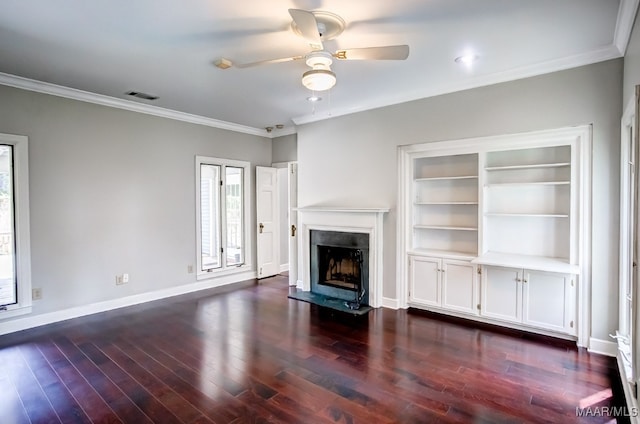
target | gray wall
[
  {"x": 352, "y": 160},
  {"x": 285, "y": 148},
  {"x": 113, "y": 191},
  {"x": 631, "y": 64}
]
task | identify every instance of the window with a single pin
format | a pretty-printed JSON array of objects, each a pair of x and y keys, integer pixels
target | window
[
  {"x": 221, "y": 196},
  {"x": 15, "y": 262}
]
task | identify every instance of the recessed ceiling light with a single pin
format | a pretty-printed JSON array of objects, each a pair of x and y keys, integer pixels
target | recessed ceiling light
[
  {"x": 467, "y": 59},
  {"x": 314, "y": 98}
]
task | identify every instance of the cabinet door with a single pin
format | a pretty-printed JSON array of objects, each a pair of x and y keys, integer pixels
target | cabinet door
[
  {"x": 548, "y": 301},
  {"x": 425, "y": 280},
  {"x": 502, "y": 293},
  {"x": 459, "y": 286}
]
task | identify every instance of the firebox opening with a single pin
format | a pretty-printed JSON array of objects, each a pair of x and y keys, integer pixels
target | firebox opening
[{"x": 340, "y": 267}]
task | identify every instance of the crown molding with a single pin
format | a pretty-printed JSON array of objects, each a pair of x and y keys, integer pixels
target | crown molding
[
  {"x": 100, "y": 99},
  {"x": 595, "y": 56},
  {"x": 624, "y": 24}
]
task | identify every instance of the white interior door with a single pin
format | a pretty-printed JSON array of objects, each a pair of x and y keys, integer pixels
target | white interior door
[
  {"x": 268, "y": 248},
  {"x": 293, "y": 223}
]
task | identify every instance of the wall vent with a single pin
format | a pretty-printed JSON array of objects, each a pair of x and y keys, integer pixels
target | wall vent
[{"x": 141, "y": 95}]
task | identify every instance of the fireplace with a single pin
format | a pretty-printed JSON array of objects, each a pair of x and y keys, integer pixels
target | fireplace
[
  {"x": 340, "y": 265},
  {"x": 365, "y": 226}
]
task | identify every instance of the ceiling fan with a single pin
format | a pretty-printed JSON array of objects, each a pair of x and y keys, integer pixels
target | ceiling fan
[{"x": 316, "y": 27}]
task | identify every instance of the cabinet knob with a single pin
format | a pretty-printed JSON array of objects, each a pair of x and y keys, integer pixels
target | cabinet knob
[{"x": 518, "y": 280}]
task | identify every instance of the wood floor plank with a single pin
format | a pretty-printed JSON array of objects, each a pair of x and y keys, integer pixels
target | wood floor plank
[
  {"x": 10, "y": 402},
  {"x": 62, "y": 401},
  {"x": 117, "y": 400},
  {"x": 253, "y": 355},
  {"x": 34, "y": 400},
  {"x": 92, "y": 404},
  {"x": 175, "y": 403}
]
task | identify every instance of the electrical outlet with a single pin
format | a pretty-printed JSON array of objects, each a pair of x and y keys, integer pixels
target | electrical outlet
[
  {"x": 119, "y": 280},
  {"x": 125, "y": 278},
  {"x": 190, "y": 269},
  {"x": 36, "y": 294}
]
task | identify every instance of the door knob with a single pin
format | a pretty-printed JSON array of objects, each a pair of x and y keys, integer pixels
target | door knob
[
  {"x": 261, "y": 227},
  {"x": 293, "y": 230}
]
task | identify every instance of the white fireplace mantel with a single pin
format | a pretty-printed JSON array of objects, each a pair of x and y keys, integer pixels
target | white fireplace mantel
[{"x": 352, "y": 220}]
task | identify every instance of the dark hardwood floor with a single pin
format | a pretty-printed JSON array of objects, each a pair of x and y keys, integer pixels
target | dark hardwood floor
[{"x": 252, "y": 355}]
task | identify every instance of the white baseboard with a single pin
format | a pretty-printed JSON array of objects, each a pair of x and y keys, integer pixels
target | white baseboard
[
  {"x": 390, "y": 303},
  {"x": 603, "y": 347},
  {"x": 79, "y": 311},
  {"x": 284, "y": 267}
]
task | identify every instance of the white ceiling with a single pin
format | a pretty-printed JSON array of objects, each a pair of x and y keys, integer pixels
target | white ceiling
[{"x": 168, "y": 47}]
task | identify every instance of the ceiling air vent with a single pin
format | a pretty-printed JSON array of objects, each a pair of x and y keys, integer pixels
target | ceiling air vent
[{"x": 141, "y": 95}]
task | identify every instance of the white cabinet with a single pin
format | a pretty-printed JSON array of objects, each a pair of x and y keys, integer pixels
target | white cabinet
[
  {"x": 444, "y": 283},
  {"x": 501, "y": 294},
  {"x": 539, "y": 299},
  {"x": 549, "y": 301},
  {"x": 459, "y": 286},
  {"x": 425, "y": 280}
]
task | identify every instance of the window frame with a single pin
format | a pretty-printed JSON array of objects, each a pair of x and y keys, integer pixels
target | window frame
[
  {"x": 20, "y": 146},
  {"x": 224, "y": 269}
]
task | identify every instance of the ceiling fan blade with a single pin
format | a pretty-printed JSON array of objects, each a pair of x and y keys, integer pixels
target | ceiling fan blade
[
  {"x": 308, "y": 26},
  {"x": 268, "y": 62},
  {"x": 374, "y": 53}
]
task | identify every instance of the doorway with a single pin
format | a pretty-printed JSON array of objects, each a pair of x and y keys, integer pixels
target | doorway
[{"x": 287, "y": 174}]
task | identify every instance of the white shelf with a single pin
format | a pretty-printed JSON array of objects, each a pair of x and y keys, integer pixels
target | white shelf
[
  {"x": 538, "y": 263},
  {"x": 538, "y": 165},
  {"x": 445, "y": 203},
  {"x": 458, "y": 177},
  {"x": 444, "y": 227},
  {"x": 442, "y": 254},
  {"x": 534, "y": 215},
  {"x": 526, "y": 183}
]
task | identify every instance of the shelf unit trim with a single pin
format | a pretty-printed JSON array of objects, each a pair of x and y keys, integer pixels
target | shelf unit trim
[
  {"x": 531, "y": 166},
  {"x": 537, "y": 263},
  {"x": 444, "y": 203},
  {"x": 534, "y": 215},
  {"x": 523, "y": 183},
  {"x": 457, "y": 177},
  {"x": 444, "y": 227},
  {"x": 447, "y": 254}
]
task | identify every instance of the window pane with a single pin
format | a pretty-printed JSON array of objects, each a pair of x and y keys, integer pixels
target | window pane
[
  {"x": 210, "y": 216},
  {"x": 233, "y": 201},
  {"x": 8, "y": 284}
]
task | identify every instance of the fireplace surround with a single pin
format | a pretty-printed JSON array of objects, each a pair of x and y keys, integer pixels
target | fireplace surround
[{"x": 363, "y": 221}]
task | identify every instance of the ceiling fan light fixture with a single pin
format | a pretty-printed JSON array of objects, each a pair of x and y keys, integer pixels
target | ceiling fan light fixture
[{"x": 319, "y": 79}]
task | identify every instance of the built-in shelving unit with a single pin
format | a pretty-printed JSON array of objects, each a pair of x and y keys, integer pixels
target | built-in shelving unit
[
  {"x": 527, "y": 205},
  {"x": 492, "y": 229},
  {"x": 445, "y": 213}
]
